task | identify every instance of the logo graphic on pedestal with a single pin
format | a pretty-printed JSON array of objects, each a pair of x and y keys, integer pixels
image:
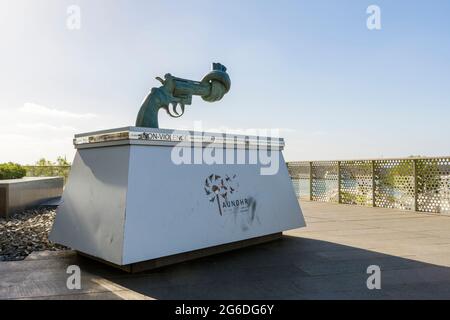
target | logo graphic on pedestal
[{"x": 223, "y": 191}]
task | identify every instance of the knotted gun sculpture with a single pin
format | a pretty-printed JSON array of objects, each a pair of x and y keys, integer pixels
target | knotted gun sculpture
[{"x": 175, "y": 93}]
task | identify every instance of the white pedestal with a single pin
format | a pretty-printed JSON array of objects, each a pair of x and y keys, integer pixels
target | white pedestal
[{"x": 126, "y": 201}]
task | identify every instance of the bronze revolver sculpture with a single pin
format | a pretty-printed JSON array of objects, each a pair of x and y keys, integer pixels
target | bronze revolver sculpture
[{"x": 177, "y": 92}]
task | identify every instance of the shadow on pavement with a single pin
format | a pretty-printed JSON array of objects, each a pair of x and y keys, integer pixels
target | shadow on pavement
[{"x": 289, "y": 268}]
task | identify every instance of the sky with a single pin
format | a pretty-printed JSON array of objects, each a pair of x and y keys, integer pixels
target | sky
[{"x": 311, "y": 69}]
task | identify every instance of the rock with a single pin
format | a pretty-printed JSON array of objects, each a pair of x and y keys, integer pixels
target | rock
[{"x": 26, "y": 232}]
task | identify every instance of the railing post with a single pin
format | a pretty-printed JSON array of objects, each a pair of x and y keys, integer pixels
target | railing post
[
  {"x": 415, "y": 184},
  {"x": 373, "y": 183},
  {"x": 339, "y": 181},
  {"x": 310, "y": 181}
]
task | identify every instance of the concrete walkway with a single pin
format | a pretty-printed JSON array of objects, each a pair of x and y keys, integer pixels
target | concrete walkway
[{"x": 326, "y": 260}]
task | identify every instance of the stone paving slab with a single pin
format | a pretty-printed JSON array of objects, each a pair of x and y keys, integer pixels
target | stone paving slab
[{"x": 326, "y": 260}]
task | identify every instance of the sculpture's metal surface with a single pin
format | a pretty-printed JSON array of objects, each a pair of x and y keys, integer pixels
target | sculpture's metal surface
[{"x": 176, "y": 92}]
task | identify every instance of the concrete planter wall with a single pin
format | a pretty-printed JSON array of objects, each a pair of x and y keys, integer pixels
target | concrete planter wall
[{"x": 20, "y": 194}]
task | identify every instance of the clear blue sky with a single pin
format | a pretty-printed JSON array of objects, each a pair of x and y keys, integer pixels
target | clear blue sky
[{"x": 311, "y": 68}]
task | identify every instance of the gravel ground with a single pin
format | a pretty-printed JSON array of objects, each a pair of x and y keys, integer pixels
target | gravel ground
[{"x": 26, "y": 232}]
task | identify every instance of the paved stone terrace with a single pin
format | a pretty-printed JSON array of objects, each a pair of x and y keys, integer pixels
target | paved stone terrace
[{"x": 326, "y": 260}]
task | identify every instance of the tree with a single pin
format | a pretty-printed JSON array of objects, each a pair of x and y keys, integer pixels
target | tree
[
  {"x": 62, "y": 161},
  {"x": 47, "y": 168},
  {"x": 43, "y": 162}
]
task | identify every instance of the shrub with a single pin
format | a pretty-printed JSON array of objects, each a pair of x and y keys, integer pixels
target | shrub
[{"x": 11, "y": 171}]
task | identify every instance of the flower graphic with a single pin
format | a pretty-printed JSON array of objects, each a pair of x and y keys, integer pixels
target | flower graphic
[{"x": 217, "y": 186}]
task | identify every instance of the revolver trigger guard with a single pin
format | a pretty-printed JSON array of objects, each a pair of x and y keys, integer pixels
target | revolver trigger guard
[{"x": 173, "y": 111}]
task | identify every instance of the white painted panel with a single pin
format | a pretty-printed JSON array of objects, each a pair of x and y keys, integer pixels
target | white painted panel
[
  {"x": 169, "y": 212},
  {"x": 91, "y": 217},
  {"x": 131, "y": 203}
]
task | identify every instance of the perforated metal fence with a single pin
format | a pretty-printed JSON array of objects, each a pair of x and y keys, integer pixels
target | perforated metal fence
[{"x": 418, "y": 184}]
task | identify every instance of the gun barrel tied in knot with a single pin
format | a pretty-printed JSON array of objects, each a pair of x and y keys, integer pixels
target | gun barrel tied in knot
[{"x": 175, "y": 93}]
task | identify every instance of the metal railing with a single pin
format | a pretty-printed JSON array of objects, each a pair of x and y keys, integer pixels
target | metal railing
[
  {"x": 418, "y": 184},
  {"x": 48, "y": 171}
]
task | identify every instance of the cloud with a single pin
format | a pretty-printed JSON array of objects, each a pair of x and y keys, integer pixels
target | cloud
[
  {"x": 30, "y": 108},
  {"x": 45, "y": 126},
  {"x": 27, "y": 149},
  {"x": 33, "y": 131}
]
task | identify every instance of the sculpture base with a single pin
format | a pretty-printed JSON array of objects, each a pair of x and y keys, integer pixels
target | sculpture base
[
  {"x": 128, "y": 200},
  {"x": 187, "y": 256}
]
